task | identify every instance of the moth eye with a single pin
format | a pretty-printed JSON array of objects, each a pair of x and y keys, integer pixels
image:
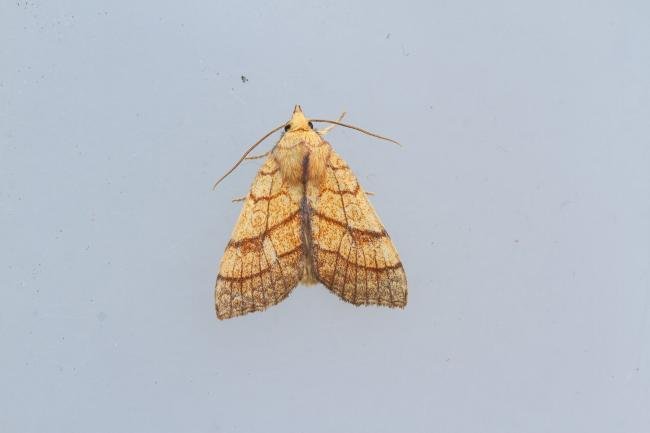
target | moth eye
[
  {"x": 311, "y": 125},
  {"x": 287, "y": 126}
]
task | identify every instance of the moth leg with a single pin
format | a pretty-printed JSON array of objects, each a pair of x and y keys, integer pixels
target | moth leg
[
  {"x": 369, "y": 193},
  {"x": 327, "y": 129},
  {"x": 238, "y": 199},
  {"x": 248, "y": 158}
]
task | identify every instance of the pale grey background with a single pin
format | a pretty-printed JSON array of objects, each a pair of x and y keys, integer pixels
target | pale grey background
[{"x": 520, "y": 205}]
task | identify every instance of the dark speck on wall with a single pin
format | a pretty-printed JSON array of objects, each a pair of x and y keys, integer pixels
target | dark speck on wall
[{"x": 244, "y": 79}]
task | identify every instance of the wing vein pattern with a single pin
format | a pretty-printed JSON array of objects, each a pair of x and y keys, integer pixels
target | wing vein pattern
[
  {"x": 268, "y": 227},
  {"x": 344, "y": 220}
]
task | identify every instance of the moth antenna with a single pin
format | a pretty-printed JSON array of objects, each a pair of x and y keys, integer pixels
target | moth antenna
[
  {"x": 250, "y": 149},
  {"x": 372, "y": 134}
]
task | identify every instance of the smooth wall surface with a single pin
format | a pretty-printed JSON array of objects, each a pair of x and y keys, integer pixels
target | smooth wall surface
[{"x": 520, "y": 205}]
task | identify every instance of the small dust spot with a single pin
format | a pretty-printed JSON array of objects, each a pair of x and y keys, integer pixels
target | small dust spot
[
  {"x": 387, "y": 35},
  {"x": 244, "y": 79},
  {"x": 101, "y": 316}
]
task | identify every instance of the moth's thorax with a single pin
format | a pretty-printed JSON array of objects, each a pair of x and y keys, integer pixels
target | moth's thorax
[{"x": 291, "y": 151}]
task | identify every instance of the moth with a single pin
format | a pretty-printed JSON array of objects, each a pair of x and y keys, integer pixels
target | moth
[{"x": 306, "y": 220}]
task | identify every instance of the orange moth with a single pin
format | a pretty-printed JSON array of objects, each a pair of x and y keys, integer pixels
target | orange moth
[{"x": 306, "y": 220}]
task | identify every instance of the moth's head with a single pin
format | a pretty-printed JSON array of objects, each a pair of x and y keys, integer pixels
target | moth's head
[{"x": 298, "y": 121}]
